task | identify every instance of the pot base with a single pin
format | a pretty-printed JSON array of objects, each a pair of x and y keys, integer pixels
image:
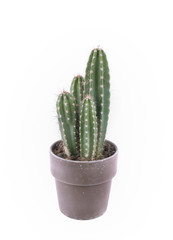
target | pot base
[{"x": 83, "y": 202}]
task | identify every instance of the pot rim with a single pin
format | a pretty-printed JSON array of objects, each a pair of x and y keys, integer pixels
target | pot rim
[{"x": 83, "y": 162}]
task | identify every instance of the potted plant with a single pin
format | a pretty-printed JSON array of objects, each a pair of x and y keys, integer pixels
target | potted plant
[{"x": 83, "y": 162}]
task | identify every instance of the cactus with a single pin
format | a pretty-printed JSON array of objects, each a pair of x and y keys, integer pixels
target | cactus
[
  {"x": 77, "y": 91},
  {"x": 88, "y": 129},
  {"x": 83, "y": 114},
  {"x": 97, "y": 85},
  {"x": 67, "y": 122}
]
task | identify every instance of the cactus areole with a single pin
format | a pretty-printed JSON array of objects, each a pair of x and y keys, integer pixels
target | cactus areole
[
  {"x": 83, "y": 163},
  {"x": 83, "y": 113}
]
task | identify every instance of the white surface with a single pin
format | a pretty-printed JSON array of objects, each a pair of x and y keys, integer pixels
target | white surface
[{"x": 43, "y": 44}]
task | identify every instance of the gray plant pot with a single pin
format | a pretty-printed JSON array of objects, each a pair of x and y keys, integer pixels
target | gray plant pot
[{"x": 83, "y": 187}]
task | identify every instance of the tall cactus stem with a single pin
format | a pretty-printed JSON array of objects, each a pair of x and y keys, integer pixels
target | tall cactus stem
[
  {"x": 88, "y": 129},
  {"x": 65, "y": 106},
  {"x": 98, "y": 87}
]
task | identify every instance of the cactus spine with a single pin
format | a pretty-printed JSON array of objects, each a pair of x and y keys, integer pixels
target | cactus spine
[
  {"x": 88, "y": 129},
  {"x": 67, "y": 122},
  {"x": 97, "y": 85},
  {"x": 77, "y": 91}
]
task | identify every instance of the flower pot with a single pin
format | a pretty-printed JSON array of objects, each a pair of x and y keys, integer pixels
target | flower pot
[{"x": 83, "y": 187}]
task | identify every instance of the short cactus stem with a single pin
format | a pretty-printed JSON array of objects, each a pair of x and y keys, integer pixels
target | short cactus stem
[
  {"x": 67, "y": 122},
  {"x": 77, "y": 91},
  {"x": 97, "y": 85},
  {"x": 88, "y": 129}
]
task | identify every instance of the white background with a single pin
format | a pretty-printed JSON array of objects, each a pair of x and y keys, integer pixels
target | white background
[{"x": 43, "y": 44}]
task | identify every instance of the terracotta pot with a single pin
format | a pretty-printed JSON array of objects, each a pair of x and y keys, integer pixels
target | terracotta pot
[{"x": 83, "y": 187}]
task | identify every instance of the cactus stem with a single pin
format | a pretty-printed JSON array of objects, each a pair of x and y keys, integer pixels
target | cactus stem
[
  {"x": 88, "y": 129},
  {"x": 66, "y": 119},
  {"x": 100, "y": 91}
]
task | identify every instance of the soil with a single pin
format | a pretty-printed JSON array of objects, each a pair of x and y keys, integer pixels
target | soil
[{"x": 108, "y": 150}]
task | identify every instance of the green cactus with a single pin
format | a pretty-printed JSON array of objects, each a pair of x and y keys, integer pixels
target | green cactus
[
  {"x": 97, "y": 85},
  {"x": 88, "y": 129},
  {"x": 67, "y": 122},
  {"x": 83, "y": 114},
  {"x": 77, "y": 91}
]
